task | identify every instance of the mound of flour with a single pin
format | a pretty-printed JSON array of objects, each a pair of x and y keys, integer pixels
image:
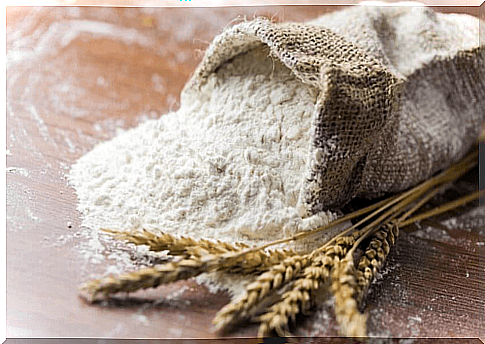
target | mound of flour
[{"x": 228, "y": 165}]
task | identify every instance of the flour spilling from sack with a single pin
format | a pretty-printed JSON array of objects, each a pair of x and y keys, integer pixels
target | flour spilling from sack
[{"x": 228, "y": 165}]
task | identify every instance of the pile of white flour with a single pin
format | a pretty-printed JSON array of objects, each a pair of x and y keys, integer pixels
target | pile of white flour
[{"x": 228, "y": 165}]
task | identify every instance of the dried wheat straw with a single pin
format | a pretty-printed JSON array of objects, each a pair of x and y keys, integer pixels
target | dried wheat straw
[{"x": 444, "y": 208}]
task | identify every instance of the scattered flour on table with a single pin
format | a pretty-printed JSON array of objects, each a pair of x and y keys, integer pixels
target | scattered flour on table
[
  {"x": 18, "y": 170},
  {"x": 228, "y": 165}
]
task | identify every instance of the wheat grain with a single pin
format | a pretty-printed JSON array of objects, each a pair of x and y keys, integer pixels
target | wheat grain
[{"x": 261, "y": 261}]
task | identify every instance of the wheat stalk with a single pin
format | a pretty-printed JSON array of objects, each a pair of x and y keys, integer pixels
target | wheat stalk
[
  {"x": 383, "y": 240},
  {"x": 444, "y": 208},
  {"x": 449, "y": 175},
  {"x": 375, "y": 254}
]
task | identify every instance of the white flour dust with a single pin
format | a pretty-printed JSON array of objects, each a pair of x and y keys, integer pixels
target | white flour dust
[{"x": 228, "y": 165}]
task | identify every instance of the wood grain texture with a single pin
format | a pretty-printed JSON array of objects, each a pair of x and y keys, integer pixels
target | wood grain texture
[{"x": 76, "y": 75}]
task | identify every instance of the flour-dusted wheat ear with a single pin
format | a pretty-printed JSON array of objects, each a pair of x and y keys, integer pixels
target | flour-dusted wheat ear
[
  {"x": 374, "y": 257},
  {"x": 264, "y": 284},
  {"x": 344, "y": 287},
  {"x": 175, "y": 246}
]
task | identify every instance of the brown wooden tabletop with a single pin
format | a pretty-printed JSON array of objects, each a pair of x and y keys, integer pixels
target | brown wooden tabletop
[{"x": 77, "y": 74}]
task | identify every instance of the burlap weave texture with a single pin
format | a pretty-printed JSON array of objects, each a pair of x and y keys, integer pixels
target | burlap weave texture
[{"x": 399, "y": 94}]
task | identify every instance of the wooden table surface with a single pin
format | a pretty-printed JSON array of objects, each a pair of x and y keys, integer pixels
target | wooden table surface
[{"x": 77, "y": 74}]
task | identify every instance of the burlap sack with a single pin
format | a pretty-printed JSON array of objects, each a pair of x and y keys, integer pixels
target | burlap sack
[{"x": 399, "y": 91}]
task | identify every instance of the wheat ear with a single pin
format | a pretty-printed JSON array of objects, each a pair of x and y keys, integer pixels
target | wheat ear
[
  {"x": 269, "y": 281},
  {"x": 144, "y": 278},
  {"x": 176, "y": 246},
  {"x": 254, "y": 260},
  {"x": 297, "y": 299},
  {"x": 374, "y": 257},
  {"x": 344, "y": 288},
  {"x": 199, "y": 262},
  {"x": 379, "y": 247}
]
